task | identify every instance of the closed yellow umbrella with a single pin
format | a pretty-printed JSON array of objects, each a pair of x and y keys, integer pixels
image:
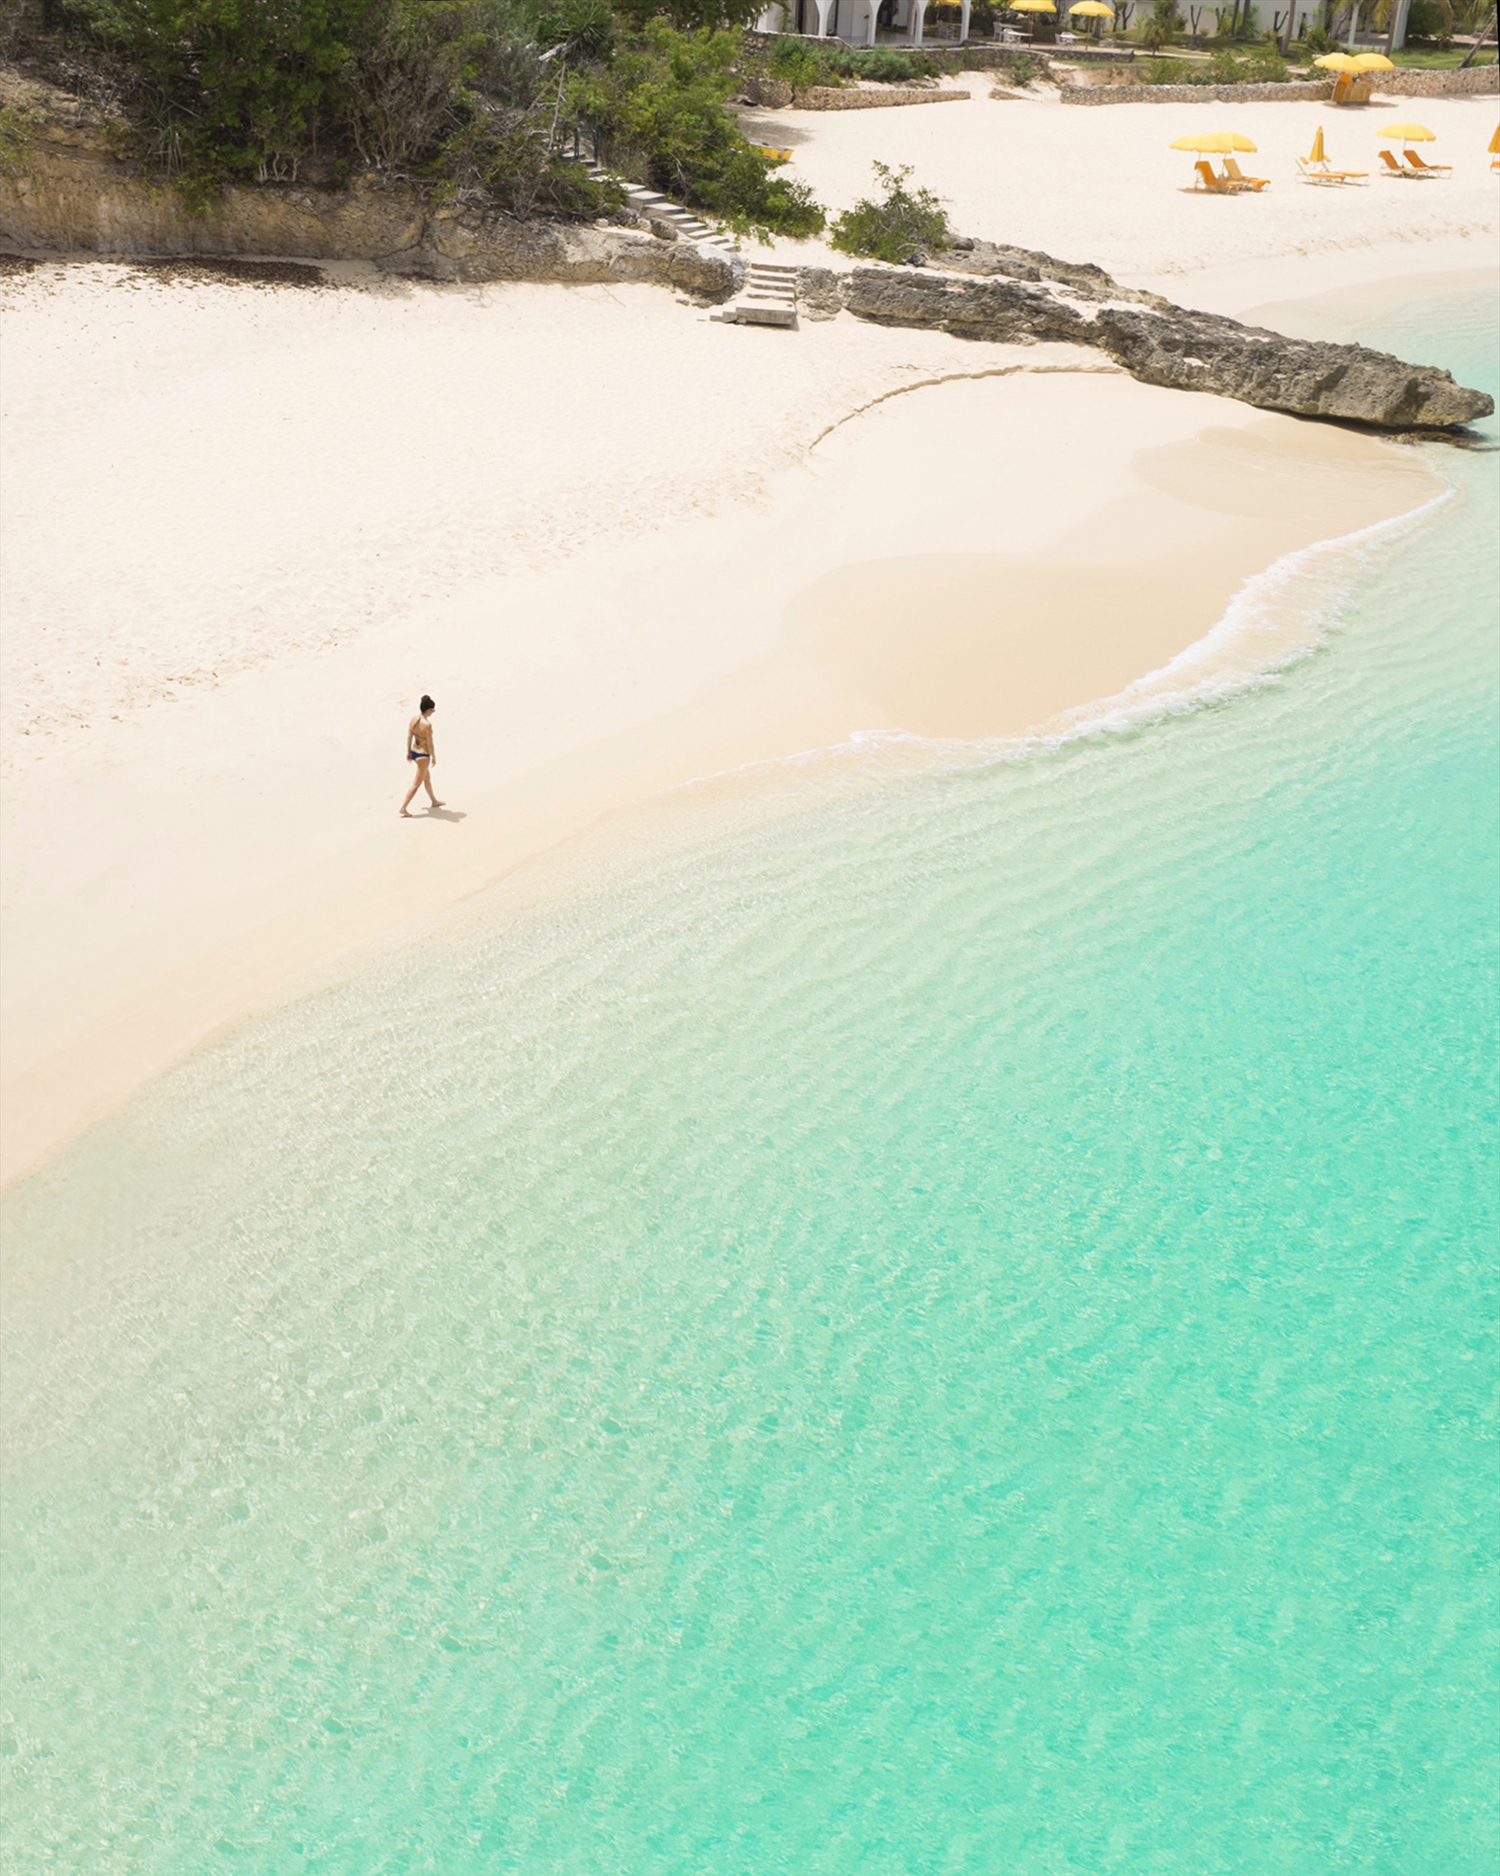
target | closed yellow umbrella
[
  {"x": 1495, "y": 142},
  {"x": 1409, "y": 133},
  {"x": 1373, "y": 62},
  {"x": 1214, "y": 143},
  {"x": 1315, "y": 154},
  {"x": 1337, "y": 62}
]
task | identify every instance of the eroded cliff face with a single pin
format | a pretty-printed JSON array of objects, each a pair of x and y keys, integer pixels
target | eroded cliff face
[
  {"x": 62, "y": 189},
  {"x": 65, "y": 190}
]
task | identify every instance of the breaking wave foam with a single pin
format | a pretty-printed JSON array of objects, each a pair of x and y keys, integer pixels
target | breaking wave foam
[{"x": 1277, "y": 618}]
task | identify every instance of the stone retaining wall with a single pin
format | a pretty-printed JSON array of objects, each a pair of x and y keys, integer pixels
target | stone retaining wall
[
  {"x": 1196, "y": 94},
  {"x": 858, "y": 98},
  {"x": 1477, "y": 81},
  {"x": 778, "y": 97}
]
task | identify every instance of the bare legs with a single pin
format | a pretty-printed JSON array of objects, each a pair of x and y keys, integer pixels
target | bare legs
[{"x": 423, "y": 780}]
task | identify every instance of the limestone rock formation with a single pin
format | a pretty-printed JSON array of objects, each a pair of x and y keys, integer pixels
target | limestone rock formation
[
  {"x": 69, "y": 192},
  {"x": 1015, "y": 297}
]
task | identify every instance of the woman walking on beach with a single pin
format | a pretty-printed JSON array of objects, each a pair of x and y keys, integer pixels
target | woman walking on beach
[{"x": 420, "y": 749}]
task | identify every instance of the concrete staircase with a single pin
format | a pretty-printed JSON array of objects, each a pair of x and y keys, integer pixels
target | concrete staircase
[
  {"x": 656, "y": 207},
  {"x": 769, "y": 295},
  {"x": 768, "y": 298}
]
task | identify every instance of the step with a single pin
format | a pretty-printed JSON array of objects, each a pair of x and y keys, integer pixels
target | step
[
  {"x": 658, "y": 206},
  {"x": 784, "y": 316}
]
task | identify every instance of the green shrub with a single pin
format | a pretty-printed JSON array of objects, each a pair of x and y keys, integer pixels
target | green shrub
[
  {"x": 794, "y": 62},
  {"x": 691, "y": 15},
  {"x": 16, "y": 132},
  {"x": 883, "y": 65},
  {"x": 1020, "y": 68},
  {"x": 222, "y": 88},
  {"x": 803, "y": 62},
  {"x": 1318, "y": 41},
  {"x": 1163, "y": 24},
  {"x": 1427, "y": 21},
  {"x": 585, "y": 29},
  {"x": 1259, "y": 65},
  {"x": 397, "y": 93},
  {"x": 1175, "y": 72},
  {"x": 454, "y": 91},
  {"x": 660, "y": 108},
  {"x": 907, "y": 222},
  {"x": 507, "y": 153}
]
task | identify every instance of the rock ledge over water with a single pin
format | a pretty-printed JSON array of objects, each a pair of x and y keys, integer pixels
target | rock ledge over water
[{"x": 1014, "y": 296}]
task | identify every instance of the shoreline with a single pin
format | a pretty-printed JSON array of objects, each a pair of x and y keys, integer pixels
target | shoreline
[{"x": 139, "y": 931}]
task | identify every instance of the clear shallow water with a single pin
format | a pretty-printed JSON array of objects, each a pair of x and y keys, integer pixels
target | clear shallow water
[{"x": 949, "y": 1333}]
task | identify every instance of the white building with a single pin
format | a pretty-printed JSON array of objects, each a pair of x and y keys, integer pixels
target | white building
[{"x": 853, "y": 21}]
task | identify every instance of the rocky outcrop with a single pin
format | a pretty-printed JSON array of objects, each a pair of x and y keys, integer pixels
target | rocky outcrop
[{"x": 1012, "y": 296}]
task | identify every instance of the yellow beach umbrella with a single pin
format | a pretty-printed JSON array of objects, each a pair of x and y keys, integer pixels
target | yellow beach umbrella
[
  {"x": 1495, "y": 142},
  {"x": 1030, "y": 6},
  {"x": 1409, "y": 133},
  {"x": 1214, "y": 143},
  {"x": 1315, "y": 154},
  {"x": 1092, "y": 10},
  {"x": 1337, "y": 62},
  {"x": 1373, "y": 62}
]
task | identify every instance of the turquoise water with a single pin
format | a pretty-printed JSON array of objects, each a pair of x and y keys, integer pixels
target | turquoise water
[{"x": 948, "y": 1332}]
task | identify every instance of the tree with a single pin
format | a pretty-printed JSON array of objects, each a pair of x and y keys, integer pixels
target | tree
[
  {"x": 692, "y": 15},
  {"x": 1165, "y": 20}
]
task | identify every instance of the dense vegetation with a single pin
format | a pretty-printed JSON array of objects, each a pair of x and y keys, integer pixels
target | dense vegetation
[
  {"x": 903, "y": 227},
  {"x": 475, "y": 98},
  {"x": 478, "y": 98},
  {"x": 1256, "y": 65},
  {"x": 659, "y": 106}
]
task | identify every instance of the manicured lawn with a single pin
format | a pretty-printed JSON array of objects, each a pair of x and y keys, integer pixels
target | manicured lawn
[{"x": 1443, "y": 60}]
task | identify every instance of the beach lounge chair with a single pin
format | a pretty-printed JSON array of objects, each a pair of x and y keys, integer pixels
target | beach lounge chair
[
  {"x": 1393, "y": 168},
  {"x": 1427, "y": 169},
  {"x": 1315, "y": 166},
  {"x": 1214, "y": 183},
  {"x": 1320, "y": 172},
  {"x": 1232, "y": 171}
]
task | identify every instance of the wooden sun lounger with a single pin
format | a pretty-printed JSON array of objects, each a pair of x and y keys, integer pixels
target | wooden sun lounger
[
  {"x": 1393, "y": 168},
  {"x": 1427, "y": 169},
  {"x": 1232, "y": 171},
  {"x": 1215, "y": 184}
]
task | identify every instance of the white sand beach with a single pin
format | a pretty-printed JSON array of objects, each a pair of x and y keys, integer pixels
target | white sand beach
[
  {"x": 1102, "y": 183},
  {"x": 623, "y": 545}
]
